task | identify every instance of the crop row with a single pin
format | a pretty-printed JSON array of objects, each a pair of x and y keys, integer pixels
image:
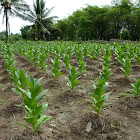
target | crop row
[{"x": 38, "y": 54}]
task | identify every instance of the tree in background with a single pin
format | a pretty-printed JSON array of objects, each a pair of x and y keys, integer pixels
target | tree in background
[
  {"x": 28, "y": 32},
  {"x": 104, "y": 23},
  {"x": 11, "y": 8},
  {"x": 39, "y": 16}
]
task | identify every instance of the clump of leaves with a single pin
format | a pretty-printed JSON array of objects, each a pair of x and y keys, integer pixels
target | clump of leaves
[
  {"x": 137, "y": 55},
  {"x": 55, "y": 68},
  {"x": 136, "y": 88},
  {"x": 126, "y": 66},
  {"x": 106, "y": 73},
  {"x": 66, "y": 59},
  {"x": 42, "y": 61},
  {"x": 82, "y": 67},
  {"x": 98, "y": 98},
  {"x": 19, "y": 79},
  {"x": 33, "y": 111},
  {"x": 72, "y": 79}
]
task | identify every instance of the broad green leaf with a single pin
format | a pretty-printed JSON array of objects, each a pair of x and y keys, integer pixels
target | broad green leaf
[
  {"x": 30, "y": 103},
  {"x": 24, "y": 125},
  {"x": 44, "y": 107},
  {"x": 27, "y": 94},
  {"x": 40, "y": 96},
  {"x": 35, "y": 91},
  {"x": 41, "y": 121},
  {"x": 95, "y": 108}
]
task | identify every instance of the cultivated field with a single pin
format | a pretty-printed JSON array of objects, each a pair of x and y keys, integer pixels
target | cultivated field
[{"x": 72, "y": 117}]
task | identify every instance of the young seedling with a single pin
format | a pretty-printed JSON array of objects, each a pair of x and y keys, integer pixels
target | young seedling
[
  {"x": 33, "y": 111},
  {"x": 82, "y": 67},
  {"x": 98, "y": 98},
  {"x": 106, "y": 73},
  {"x": 136, "y": 88},
  {"x": 86, "y": 52},
  {"x": 126, "y": 66},
  {"x": 72, "y": 79},
  {"x": 92, "y": 54},
  {"x": 55, "y": 68},
  {"x": 66, "y": 59},
  {"x": 79, "y": 54},
  {"x": 42, "y": 61},
  {"x": 137, "y": 55}
]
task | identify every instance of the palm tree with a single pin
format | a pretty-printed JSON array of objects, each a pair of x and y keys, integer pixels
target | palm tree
[
  {"x": 11, "y": 8},
  {"x": 39, "y": 16}
]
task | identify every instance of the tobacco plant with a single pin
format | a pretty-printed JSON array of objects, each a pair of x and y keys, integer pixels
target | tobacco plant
[
  {"x": 42, "y": 61},
  {"x": 55, "y": 68},
  {"x": 33, "y": 110},
  {"x": 106, "y": 73},
  {"x": 137, "y": 55},
  {"x": 66, "y": 59},
  {"x": 82, "y": 67},
  {"x": 126, "y": 66},
  {"x": 136, "y": 88},
  {"x": 99, "y": 97},
  {"x": 72, "y": 79}
]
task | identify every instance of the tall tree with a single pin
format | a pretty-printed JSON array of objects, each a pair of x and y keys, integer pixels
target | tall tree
[
  {"x": 39, "y": 16},
  {"x": 11, "y": 8}
]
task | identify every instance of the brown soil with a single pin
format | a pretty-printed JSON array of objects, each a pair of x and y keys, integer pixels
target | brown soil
[{"x": 72, "y": 117}]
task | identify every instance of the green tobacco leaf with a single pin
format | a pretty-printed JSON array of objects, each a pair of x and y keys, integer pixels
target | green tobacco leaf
[
  {"x": 27, "y": 94},
  {"x": 44, "y": 107},
  {"x": 105, "y": 106},
  {"x": 35, "y": 91},
  {"x": 40, "y": 96},
  {"x": 30, "y": 82},
  {"x": 37, "y": 110},
  {"x": 37, "y": 82},
  {"x": 95, "y": 109},
  {"x": 41, "y": 121},
  {"x": 100, "y": 103},
  {"x": 93, "y": 97},
  {"x": 30, "y": 103},
  {"x": 105, "y": 96},
  {"x": 24, "y": 125}
]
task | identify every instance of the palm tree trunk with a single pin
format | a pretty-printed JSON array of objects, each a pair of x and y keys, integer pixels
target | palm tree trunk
[
  {"x": 6, "y": 28},
  {"x": 38, "y": 31}
]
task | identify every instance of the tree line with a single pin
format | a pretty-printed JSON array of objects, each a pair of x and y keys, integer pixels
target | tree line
[{"x": 120, "y": 20}]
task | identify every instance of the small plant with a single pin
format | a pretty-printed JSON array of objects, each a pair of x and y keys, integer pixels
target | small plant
[
  {"x": 86, "y": 53},
  {"x": 55, "y": 68},
  {"x": 126, "y": 66},
  {"x": 98, "y": 97},
  {"x": 137, "y": 55},
  {"x": 33, "y": 111},
  {"x": 82, "y": 67},
  {"x": 106, "y": 73},
  {"x": 106, "y": 57},
  {"x": 93, "y": 54},
  {"x": 79, "y": 54},
  {"x": 66, "y": 59},
  {"x": 136, "y": 88},
  {"x": 72, "y": 79},
  {"x": 42, "y": 61}
]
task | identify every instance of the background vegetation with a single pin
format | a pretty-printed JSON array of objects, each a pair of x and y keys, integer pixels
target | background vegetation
[{"x": 121, "y": 20}]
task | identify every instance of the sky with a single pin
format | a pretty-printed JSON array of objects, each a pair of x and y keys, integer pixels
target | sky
[{"x": 62, "y": 9}]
